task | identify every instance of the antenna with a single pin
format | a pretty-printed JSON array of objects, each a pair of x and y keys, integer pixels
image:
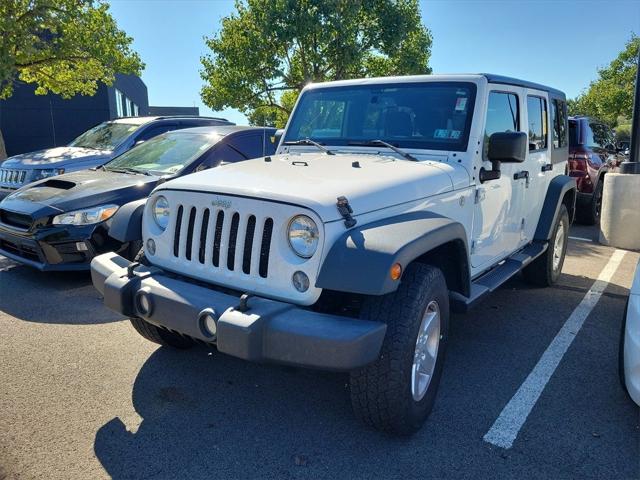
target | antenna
[{"x": 264, "y": 136}]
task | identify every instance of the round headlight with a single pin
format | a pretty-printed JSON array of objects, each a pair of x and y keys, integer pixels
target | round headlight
[
  {"x": 303, "y": 236},
  {"x": 161, "y": 212}
]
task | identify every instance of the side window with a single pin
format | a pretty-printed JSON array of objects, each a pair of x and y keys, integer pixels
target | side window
[
  {"x": 559, "y": 119},
  {"x": 502, "y": 116},
  {"x": 154, "y": 132},
  {"x": 226, "y": 154},
  {"x": 537, "y": 112},
  {"x": 251, "y": 145}
]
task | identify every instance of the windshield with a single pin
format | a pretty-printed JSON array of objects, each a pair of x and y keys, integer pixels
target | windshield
[
  {"x": 433, "y": 115},
  {"x": 164, "y": 154},
  {"x": 105, "y": 136}
]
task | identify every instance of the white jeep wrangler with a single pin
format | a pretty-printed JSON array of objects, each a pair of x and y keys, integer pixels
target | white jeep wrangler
[{"x": 390, "y": 201}]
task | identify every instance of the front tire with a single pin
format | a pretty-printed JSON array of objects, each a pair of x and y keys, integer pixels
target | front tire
[
  {"x": 159, "y": 335},
  {"x": 545, "y": 270},
  {"x": 397, "y": 392}
]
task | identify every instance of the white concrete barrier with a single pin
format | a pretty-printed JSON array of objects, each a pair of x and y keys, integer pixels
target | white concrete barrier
[{"x": 620, "y": 219}]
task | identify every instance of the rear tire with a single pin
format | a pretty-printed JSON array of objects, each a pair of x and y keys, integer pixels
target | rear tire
[
  {"x": 545, "y": 270},
  {"x": 159, "y": 335},
  {"x": 395, "y": 393},
  {"x": 590, "y": 215}
]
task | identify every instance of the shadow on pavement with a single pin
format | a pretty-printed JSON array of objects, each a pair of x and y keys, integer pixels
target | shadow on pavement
[
  {"x": 52, "y": 297},
  {"x": 206, "y": 414}
]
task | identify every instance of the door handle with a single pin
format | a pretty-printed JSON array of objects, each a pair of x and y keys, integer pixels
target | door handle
[
  {"x": 519, "y": 175},
  {"x": 548, "y": 167}
]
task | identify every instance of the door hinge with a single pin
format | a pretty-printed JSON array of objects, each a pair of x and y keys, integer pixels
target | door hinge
[
  {"x": 480, "y": 194},
  {"x": 473, "y": 247}
]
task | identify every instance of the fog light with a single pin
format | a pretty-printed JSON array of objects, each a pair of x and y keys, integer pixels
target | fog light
[
  {"x": 143, "y": 303},
  {"x": 208, "y": 321},
  {"x": 300, "y": 281},
  {"x": 151, "y": 247}
]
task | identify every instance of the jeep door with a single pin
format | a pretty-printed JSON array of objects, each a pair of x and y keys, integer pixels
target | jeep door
[
  {"x": 537, "y": 169},
  {"x": 498, "y": 209}
]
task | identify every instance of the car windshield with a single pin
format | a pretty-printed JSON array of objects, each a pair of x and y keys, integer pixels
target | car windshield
[
  {"x": 430, "y": 115},
  {"x": 105, "y": 136},
  {"x": 165, "y": 154}
]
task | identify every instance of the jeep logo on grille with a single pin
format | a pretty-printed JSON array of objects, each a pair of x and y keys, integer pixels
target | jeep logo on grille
[{"x": 219, "y": 202}]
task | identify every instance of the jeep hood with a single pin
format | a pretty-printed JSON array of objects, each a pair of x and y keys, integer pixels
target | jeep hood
[
  {"x": 57, "y": 157},
  {"x": 370, "y": 182}
]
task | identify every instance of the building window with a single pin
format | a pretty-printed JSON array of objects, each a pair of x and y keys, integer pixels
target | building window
[
  {"x": 503, "y": 115},
  {"x": 129, "y": 110},
  {"x": 119, "y": 99},
  {"x": 537, "y": 112},
  {"x": 135, "y": 110}
]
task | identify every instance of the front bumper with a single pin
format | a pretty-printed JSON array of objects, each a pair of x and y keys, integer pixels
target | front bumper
[
  {"x": 266, "y": 331},
  {"x": 632, "y": 348},
  {"x": 65, "y": 248}
]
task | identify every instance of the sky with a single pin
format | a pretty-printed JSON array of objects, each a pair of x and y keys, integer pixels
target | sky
[{"x": 556, "y": 43}]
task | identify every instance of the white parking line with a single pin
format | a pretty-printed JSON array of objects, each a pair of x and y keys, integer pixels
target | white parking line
[
  {"x": 507, "y": 426},
  {"x": 581, "y": 239}
]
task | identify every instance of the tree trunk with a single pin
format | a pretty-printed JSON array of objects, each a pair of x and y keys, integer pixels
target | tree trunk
[{"x": 3, "y": 152}]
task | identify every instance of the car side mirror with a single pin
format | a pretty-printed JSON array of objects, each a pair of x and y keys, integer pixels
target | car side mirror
[{"x": 507, "y": 147}]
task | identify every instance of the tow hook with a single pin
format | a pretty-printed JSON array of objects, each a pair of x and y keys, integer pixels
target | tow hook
[
  {"x": 243, "y": 306},
  {"x": 131, "y": 268}
]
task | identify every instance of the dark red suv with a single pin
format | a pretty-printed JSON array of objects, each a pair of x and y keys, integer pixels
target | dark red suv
[{"x": 591, "y": 155}]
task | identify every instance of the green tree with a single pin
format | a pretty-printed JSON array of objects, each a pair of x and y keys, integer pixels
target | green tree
[
  {"x": 268, "y": 50},
  {"x": 66, "y": 47},
  {"x": 611, "y": 95}
]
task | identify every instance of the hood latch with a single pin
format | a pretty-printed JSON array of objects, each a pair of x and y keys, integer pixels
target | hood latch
[{"x": 345, "y": 211}]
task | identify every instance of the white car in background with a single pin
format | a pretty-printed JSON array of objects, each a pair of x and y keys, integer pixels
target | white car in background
[{"x": 630, "y": 342}]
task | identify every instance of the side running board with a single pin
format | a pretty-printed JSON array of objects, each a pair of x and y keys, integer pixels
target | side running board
[{"x": 494, "y": 278}]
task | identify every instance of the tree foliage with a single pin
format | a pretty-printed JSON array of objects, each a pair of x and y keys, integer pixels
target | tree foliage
[
  {"x": 611, "y": 95},
  {"x": 268, "y": 50},
  {"x": 63, "y": 46}
]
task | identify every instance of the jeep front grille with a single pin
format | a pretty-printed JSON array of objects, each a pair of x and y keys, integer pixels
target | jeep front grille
[{"x": 223, "y": 238}]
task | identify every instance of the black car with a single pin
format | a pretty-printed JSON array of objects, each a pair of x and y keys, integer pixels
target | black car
[
  {"x": 61, "y": 223},
  {"x": 93, "y": 148}
]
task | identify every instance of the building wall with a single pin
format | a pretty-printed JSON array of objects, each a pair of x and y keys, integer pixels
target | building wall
[{"x": 33, "y": 122}]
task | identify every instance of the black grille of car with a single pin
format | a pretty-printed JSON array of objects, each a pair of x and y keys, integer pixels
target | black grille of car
[
  {"x": 226, "y": 240},
  {"x": 14, "y": 219}
]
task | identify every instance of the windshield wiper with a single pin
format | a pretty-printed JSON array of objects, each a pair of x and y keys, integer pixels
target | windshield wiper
[
  {"x": 308, "y": 141},
  {"x": 368, "y": 143},
  {"x": 128, "y": 170}
]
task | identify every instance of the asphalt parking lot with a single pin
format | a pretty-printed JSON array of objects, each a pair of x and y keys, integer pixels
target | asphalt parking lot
[{"x": 83, "y": 396}]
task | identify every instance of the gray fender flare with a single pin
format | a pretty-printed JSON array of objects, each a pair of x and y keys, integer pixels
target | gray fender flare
[
  {"x": 126, "y": 224},
  {"x": 558, "y": 188},
  {"x": 360, "y": 260}
]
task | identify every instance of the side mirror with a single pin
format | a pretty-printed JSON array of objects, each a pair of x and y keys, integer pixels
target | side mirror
[{"x": 507, "y": 147}]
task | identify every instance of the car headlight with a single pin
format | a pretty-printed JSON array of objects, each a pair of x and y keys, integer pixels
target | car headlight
[
  {"x": 160, "y": 211},
  {"x": 87, "y": 216},
  {"x": 303, "y": 236},
  {"x": 39, "y": 174}
]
